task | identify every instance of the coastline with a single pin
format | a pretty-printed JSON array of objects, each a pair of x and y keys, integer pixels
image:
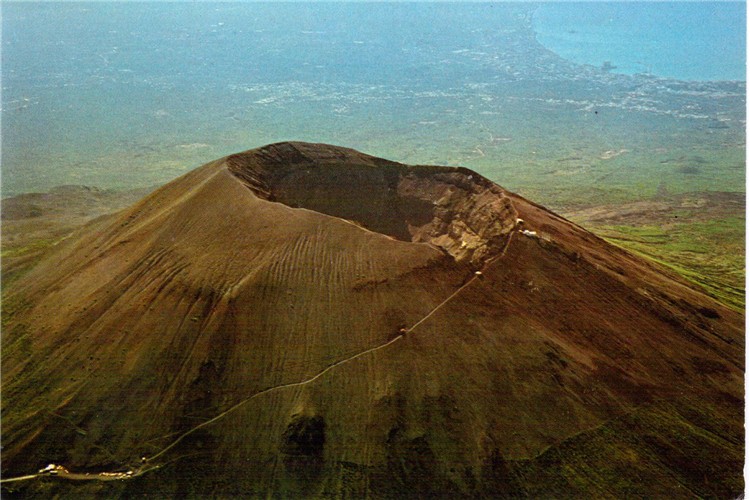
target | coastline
[{"x": 612, "y": 38}]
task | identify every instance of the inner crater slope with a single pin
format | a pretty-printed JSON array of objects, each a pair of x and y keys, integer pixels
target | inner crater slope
[{"x": 452, "y": 208}]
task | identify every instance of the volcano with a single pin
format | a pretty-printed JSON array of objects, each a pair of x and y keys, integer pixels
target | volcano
[{"x": 304, "y": 320}]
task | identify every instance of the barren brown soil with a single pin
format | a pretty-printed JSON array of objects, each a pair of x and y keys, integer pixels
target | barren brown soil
[
  {"x": 702, "y": 206},
  {"x": 33, "y": 223},
  {"x": 305, "y": 320}
]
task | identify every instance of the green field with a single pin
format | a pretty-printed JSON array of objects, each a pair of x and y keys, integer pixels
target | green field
[{"x": 708, "y": 253}]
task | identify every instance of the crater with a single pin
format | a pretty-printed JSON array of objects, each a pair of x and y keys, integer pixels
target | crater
[{"x": 452, "y": 208}]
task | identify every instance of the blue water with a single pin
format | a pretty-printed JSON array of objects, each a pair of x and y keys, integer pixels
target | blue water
[
  {"x": 683, "y": 40},
  {"x": 130, "y": 94}
]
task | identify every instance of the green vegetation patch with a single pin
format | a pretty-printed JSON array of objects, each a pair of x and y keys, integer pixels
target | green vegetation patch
[
  {"x": 708, "y": 253},
  {"x": 34, "y": 246}
]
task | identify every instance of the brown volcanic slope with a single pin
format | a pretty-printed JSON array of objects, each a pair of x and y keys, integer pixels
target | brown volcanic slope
[{"x": 305, "y": 320}]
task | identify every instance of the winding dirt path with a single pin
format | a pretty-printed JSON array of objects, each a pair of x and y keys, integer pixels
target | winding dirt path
[{"x": 62, "y": 473}]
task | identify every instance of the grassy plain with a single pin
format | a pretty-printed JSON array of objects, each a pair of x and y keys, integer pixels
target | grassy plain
[{"x": 701, "y": 236}]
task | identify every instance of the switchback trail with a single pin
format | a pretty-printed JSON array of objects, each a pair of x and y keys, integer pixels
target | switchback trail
[{"x": 145, "y": 467}]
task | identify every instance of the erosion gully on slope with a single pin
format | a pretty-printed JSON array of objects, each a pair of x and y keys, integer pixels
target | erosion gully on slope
[{"x": 148, "y": 463}]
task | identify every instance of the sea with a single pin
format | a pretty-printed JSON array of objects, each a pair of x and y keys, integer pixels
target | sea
[
  {"x": 568, "y": 103},
  {"x": 681, "y": 40}
]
